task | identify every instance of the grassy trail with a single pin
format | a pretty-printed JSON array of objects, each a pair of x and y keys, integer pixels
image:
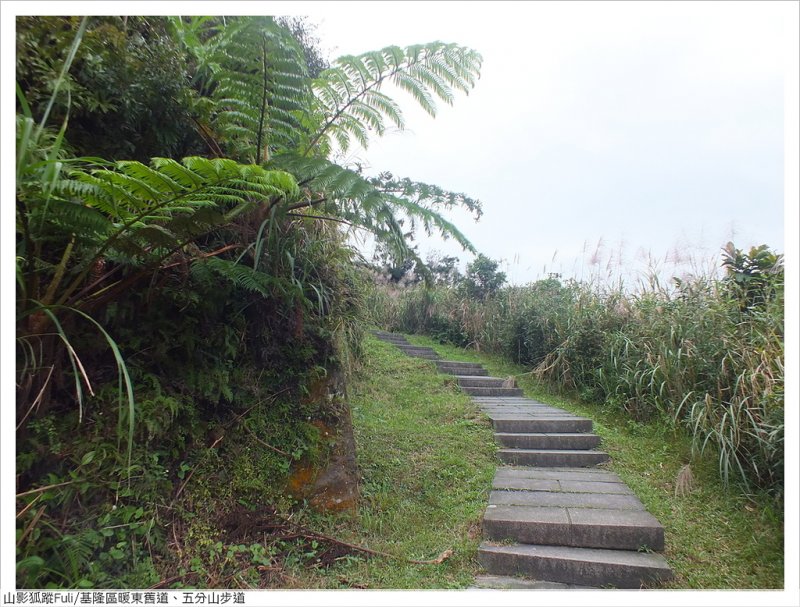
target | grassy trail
[
  {"x": 426, "y": 455},
  {"x": 715, "y": 538}
]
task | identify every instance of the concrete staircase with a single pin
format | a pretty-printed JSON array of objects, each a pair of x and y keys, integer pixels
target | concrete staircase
[
  {"x": 554, "y": 519},
  {"x": 410, "y": 349}
]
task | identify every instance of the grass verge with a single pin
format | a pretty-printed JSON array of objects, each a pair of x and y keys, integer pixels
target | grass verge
[
  {"x": 426, "y": 457},
  {"x": 715, "y": 539}
]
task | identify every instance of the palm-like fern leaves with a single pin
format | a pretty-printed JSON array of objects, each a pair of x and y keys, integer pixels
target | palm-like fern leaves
[
  {"x": 349, "y": 102},
  {"x": 380, "y": 205},
  {"x": 260, "y": 87},
  {"x": 144, "y": 213}
]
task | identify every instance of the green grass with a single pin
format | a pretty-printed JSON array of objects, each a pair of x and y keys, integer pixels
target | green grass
[
  {"x": 426, "y": 456},
  {"x": 715, "y": 539}
]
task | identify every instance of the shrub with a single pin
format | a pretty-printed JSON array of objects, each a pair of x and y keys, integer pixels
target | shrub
[{"x": 706, "y": 355}]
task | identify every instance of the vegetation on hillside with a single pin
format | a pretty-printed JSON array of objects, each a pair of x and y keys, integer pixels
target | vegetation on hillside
[
  {"x": 185, "y": 292},
  {"x": 715, "y": 538},
  {"x": 183, "y": 275},
  {"x": 706, "y": 354}
]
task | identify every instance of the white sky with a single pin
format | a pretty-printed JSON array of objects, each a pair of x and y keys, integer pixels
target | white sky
[{"x": 654, "y": 129}]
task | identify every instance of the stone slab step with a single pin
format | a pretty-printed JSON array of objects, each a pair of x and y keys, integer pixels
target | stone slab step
[
  {"x": 547, "y": 440},
  {"x": 560, "y": 474},
  {"x": 562, "y": 499},
  {"x": 388, "y": 336},
  {"x": 479, "y": 391},
  {"x": 510, "y": 400},
  {"x": 507, "y": 582},
  {"x": 578, "y": 527},
  {"x": 523, "y": 423},
  {"x": 526, "y": 410},
  {"x": 414, "y": 348},
  {"x": 552, "y": 457},
  {"x": 536, "y": 484},
  {"x": 461, "y": 364},
  {"x": 457, "y": 370},
  {"x": 585, "y": 566},
  {"x": 513, "y": 403},
  {"x": 425, "y": 355},
  {"x": 480, "y": 382}
]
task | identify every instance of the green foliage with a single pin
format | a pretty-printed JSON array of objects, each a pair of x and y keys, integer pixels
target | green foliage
[
  {"x": 482, "y": 279},
  {"x": 695, "y": 357},
  {"x": 753, "y": 276},
  {"x": 219, "y": 282},
  {"x": 259, "y": 88},
  {"x": 444, "y": 270},
  {"x": 427, "y": 459},
  {"x": 304, "y": 32},
  {"x": 128, "y": 80}
]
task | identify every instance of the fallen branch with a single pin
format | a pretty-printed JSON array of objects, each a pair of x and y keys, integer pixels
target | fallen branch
[
  {"x": 315, "y": 535},
  {"x": 31, "y": 525},
  {"x": 31, "y": 503},
  {"x": 45, "y": 488},
  {"x": 265, "y": 444},
  {"x": 175, "y": 578}
]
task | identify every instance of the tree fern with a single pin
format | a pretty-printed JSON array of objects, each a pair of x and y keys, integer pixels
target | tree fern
[
  {"x": 380, "y": 205},
  {"x": 146, "y": 212},
  {"x": 258, "y": 84},
  {"x": 349, "y": 103}
]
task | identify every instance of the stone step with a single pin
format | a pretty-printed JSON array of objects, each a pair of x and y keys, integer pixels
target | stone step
[
  {"x": 584, "y": 566},
  {"x": 386, "y": 335},
  {"x": 577, "y": 527},
  {"x": 563, "y": 499},
  {"x": 480, "y": 391},
  {"x": 531, "y": 423},
  {"x": 455, "y": 369},
  {"x": 524, "y": 411},
  {"x": 480, "y": 382},
  {"x": 429, "y": 355},
  {"x": 461, "y": 364},
  {"x": 507, "y": 582},
  {"x": 534, "y": 484},
  {"x": 552, "y": 457},
  {"x": 416, "y": 351},
  {"x": 565, "y": 474},
  {"x": 547, "y": 440}
]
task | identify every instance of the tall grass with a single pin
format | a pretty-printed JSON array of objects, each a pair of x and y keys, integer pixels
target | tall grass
[{"x": 694, "y": 356}]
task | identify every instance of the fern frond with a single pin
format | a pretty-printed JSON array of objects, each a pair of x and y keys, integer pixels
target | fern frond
[
  {"x": 142, "y": 204},
  {"x": 348, "y": 92},
  {"x": 378, "y": 204},
  {"x": 246, "y": 277},
  {"x": 260, "y": 87}
]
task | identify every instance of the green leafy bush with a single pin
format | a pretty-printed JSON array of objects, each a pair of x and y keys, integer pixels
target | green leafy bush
[{"x": 707, "y": 355}]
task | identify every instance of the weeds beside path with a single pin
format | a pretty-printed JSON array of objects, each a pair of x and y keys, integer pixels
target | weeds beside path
[
  {"x": 715, "y": 539},
  {"x": 426, "y": 456}
]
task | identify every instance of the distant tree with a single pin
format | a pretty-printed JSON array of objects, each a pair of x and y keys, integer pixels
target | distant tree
[
  {"x": 483, "y": 279},
  {"x": 752, "y": 276},
  {"x": 444, "y": 270},
  {"x": 395, "y": 271}
]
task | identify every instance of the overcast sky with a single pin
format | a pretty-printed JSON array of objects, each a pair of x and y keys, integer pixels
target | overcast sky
[{"x": 655, "y": 130}]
